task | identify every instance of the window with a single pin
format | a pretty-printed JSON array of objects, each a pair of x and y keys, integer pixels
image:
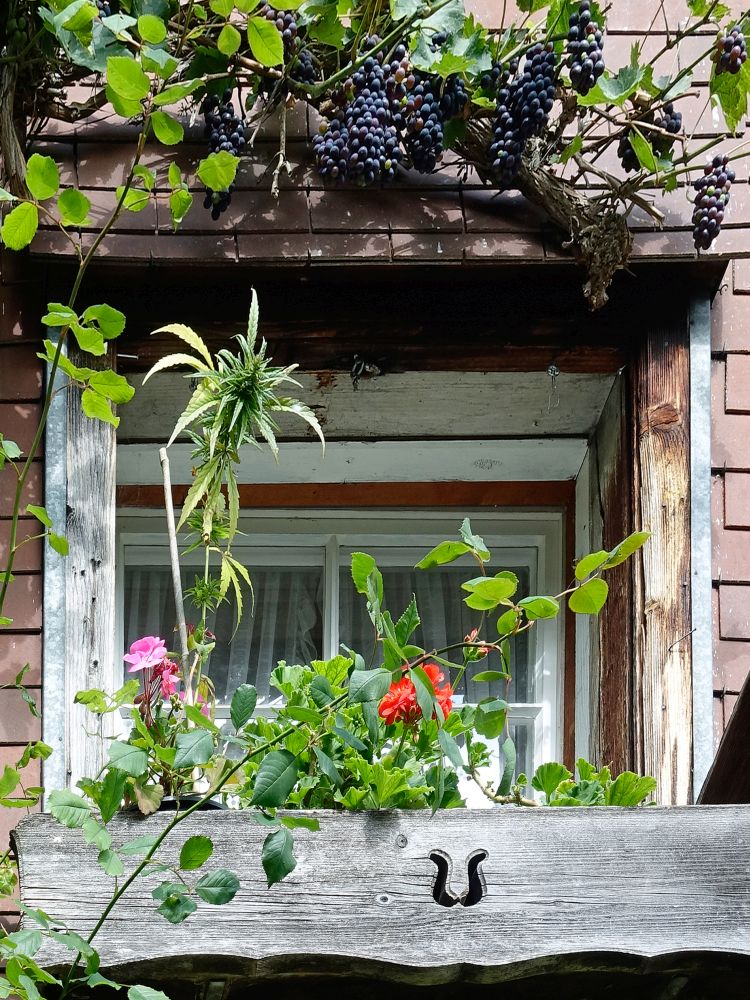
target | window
[{"x": 305, "y": 604}]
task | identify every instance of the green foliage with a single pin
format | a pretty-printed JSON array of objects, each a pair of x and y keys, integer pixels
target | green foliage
[{"x": 593, "y": 788}]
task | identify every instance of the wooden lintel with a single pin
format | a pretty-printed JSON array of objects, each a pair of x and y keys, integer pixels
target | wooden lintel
[{"x": 662, "y": 686}]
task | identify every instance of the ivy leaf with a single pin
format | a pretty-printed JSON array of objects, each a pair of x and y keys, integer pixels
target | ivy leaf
[
  {"x": 590, "y": 597},
  {"x": 218, "y": 887},
  {"x": 126, "y": 78},
  {"x": 195, "y": 852},
  {"x": 243, "y": 705},
  {"x": 125, "y": 757},
  {"x": 20, "y": 226},
  {"x": 97, "y": 407},
  {"x": 42, "y": 177},
  {"x": 218, "y": 170},
  {"x": 277, "y": 856},
  {"x": 265, "y": 40},
  {"x": 276, "y": 777},
  {"x": 73, "y": 207},
  {"x": 167, "y": 129},
  {"x": 193, "y": 749}
]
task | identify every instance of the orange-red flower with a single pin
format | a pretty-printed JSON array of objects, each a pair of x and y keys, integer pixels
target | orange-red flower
[{"x": 400, "y": 703}]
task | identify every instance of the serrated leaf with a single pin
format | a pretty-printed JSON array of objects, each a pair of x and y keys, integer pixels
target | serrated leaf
[
  {"x": 275, "y": 779},
  {"x": 177, "y": 907},
  {"x": 589, "y": 598},
  {"x": 140, "y": 845},
  {"x": 265, "y": 41},
  {"x": 148, "y": 798},
  {"x": 193, "y": 749},
  {"x": 243, "y": 705},
  {"x": 218, "y": 887},
  {"x": 125, "y": 757},
  {"x": 277, "y": 856},
  {"x": 195, "y": 852},
  {"x": 301, "y": 823},
  {"x": 110, "y": 862},
  {"x": 42, "y": 177},
  {"x": 73, "y": 207},
  {"x": 629, "y": 789},
  {"x": 368, "y": 685},
  {"x": 191, "y": 338},
  {"x": 219, "y": 170},
  {"x": 20, "y": 226},
  {"x": 69, "y": 809}
]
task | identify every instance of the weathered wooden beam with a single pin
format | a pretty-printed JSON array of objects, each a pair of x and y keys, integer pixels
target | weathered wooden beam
[
  {"x": 661, "y": 491},
  {"x": 90, "y": 580},
  {"x": 557, "y": 890},
  {"x": 728, "y": 779}
]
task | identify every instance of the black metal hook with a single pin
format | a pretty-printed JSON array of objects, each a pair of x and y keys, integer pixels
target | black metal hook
[{"x": 443, "y": 893}]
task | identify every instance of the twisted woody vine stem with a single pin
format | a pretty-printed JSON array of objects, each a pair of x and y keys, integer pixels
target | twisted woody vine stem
[{"x": 534, "y": 105}]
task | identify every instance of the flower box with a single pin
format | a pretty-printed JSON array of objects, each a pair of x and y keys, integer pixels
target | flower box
[{"x": 659, "y": 892}]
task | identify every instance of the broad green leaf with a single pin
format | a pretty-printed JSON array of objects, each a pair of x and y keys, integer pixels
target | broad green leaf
[
  {"x": 490, "y": 717},
  {"x": 40, "y": 513},
  {"x": 617, "y": 89},
  {"x": 58, "y": 542},
  {"x": 321, "y": 691},
  {"x": 229, "y": 40},
  {"x": 300, "y": 713},
  {"x": 126, "y": 78},
  {"x": 581, "y": 793},
  {"x": 507, "y": 622},
  {"x": 590, "y": 563},
  {"x": 539, "y": 607},
  {"x": 243, "y": 705},
  {"x": 218, "y": 170},
  {"x": 9, "y": 780},
  {"x": 450, "y": 747},
  {"x": 445, "y": 552},
  {"x": 475, "y": 542},
  {"x": 73, "y": 207},
  {"x": 180, "y": 203},
  {"x": 59, "y": 315},
  {"x": 89, "y": 339},
  {"x": 590, "y": 597},
  {"x": 98, "y": 408},
  {"x": 177, "y": 92},
  {"x": 327, "y": 766},
  {"x": 125, "y": 109},
  {"x": 111, "y": 862},
  {"x": 275, "y": 779},
  {"x": 193, "y": 749},
  {"x": 177, "y": 907},
  {"x": 151, "y": 29},
  {"x": 110, "y": 321},
  {"x": 218, "y": 887},
  {"x": 69, "y": 809},
  {"x": 368, "y": 685},
  {"x": 42, "y": 177},
  {"x": 265, "y": 41},
  {"x": 195, "y": 852},
  {"x": 222, "y": 7},
  {"x": 166, "y": 128},
  {"x": 20, "y": 226},
  {"x": 627, "y": 546},
  {"x": 488, "y": 677},
  {"x": 509, "y": 769},
  {"x": 148, "y": 798},
  {"x": 140, "y": 845},
  {"x": 125, "y": 757},
  {"x": 629, "y": 789},
  {"x": 112, "y": 386},
  {"x": 277, "y": 856},
  {"x": 111, "y": 793},
  {"x": 132, "y": 199},
  {"x": 642, "y": 150},
  {"x": 363, "y": 566},
  {"x": 548, "y": 776},
  {"x": 301, "y": 823},
  {"x": 145, "y": 993},
  {"x": 730, "y": 90}
]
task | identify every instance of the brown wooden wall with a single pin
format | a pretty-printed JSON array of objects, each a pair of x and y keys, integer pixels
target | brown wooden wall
[{"x": 20, "y": 391}]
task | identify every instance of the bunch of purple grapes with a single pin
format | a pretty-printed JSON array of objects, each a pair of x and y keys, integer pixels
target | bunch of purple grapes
[
  {"x": 584, "y": 51},
  {"x": 226, "y": 132},
  {"x": 426, "y": 112},
  {"x": 522, "y": 111},
  {"x": 711, "y": 200},
  {"x": 729, "y": 52}
]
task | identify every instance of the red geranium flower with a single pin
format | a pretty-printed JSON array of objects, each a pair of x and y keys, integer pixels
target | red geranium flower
[{"x": 400, "y": 703}]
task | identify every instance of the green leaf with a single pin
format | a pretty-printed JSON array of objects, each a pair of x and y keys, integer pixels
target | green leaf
[
  {"x": 475, "y": 542},
  {"x": 628, "y": 545},
  {"x": 59, "y": 315},
  {"x": 408, "y": 623},
  {"x": 276, "y": 777},
  {"x": 9, "y": 780},
  {"x": 229, "y": 40},
  {"x": 368, "y": 685},
  {"x": 730, "y": 90},
  {"x": 111, "y": 794},
  {"x": 445, "y": 552},
  {"x": 616, "y": 89},
  {"x": 364, "y": 571},
  {"x": 110, "y": 862},
  {"x": 180, "y": 203},
  {"x": 321, "y": 691},
  {"x": 301, "y": 823},
  {"x": 109, "y": 321},
  {"x": 490, "y": 717},
  {"x": 58, "y": 542},
  {"x": 125, "y": 757},
  {"x": 222, "y": 7},
  {"x": 96, "y": 834},
  {"x": 151, "y": 29},
  {"x": 69, "y": 809},
  {"x": 193, "y": 749},
  {"x": 218, "y": 887},
  {"x": 140, "y": 845},
  {"x": 573, "y": 147},
  {"x": 425, "y": 692},
  {"x": 590, "y": 597},
  {"x": 629, "y": 789},
  {"x": 112, "y": 386},
  {"x": 73, "y": 207},
  {"x": 166, "y": 128},
  {"x": 97, "y": 407},
  {"x": 195, "y": 852},
  {"x": 349, "y": 738},
  {"x": 539, "y": 607},
  {"x": 89, "y": 339},
  {"x": 218, "y": 170},
  {"x": 243, "y": 705},
  {"x": 548, "y": 776},
  {"x": 177, "y": 907},
  {"x": 177, "y": 92},
  {"x": 20, "y": 226},
  {"x": 145, "y": 993},
  {"x": 265, "y": 41},
  {"x": 133, "y": 199},
  {"x": 126, "y": 78},
  {"x": 488, "y": 677},
  {"x": 277, "y": 856},
  {"x": 42, "y": 177},
  {"x": 40, "y": 513},
  {"x": 509, "y": 756},
  {"x": 590, "y": 563},
  {"x": 327, "y": 766},
  {"x": 6, "y": 195},
  {"x": 450, "y": 747},
  {"x": 642, "y": 150}
]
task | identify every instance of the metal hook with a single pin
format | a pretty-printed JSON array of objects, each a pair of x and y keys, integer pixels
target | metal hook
[{"x": 553, "y": 400}]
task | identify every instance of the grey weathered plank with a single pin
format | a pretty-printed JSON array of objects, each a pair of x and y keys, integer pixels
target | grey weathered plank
[{"x": 565, "y": 889}]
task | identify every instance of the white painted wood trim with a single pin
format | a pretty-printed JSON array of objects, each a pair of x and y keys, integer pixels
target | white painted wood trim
[{"x": 528, "y": 460}]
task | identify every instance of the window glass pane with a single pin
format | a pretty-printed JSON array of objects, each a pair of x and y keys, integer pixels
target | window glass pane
[
  {"x": 446, "y": 619},
  {"x": 285, "y": 622}
]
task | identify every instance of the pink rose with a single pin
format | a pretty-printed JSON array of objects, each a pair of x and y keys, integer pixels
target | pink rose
[
  {"x": 168, "y": 673},
  {"x": 145, "y": 653}
]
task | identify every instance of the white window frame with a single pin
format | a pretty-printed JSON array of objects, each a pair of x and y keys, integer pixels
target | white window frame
[{"x": 414, "y": 530}]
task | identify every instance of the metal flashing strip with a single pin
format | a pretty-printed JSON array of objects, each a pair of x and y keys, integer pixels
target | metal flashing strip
[
  {"x": 700, "y": 538},
  {"x": 53, "y": 630}
]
